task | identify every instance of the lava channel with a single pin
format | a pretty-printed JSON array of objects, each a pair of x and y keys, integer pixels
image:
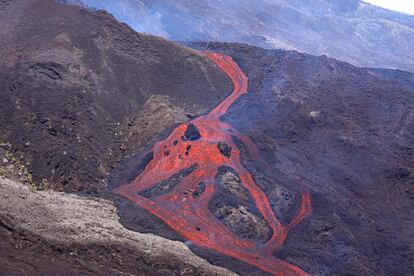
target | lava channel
[{"x": 194, "y": 145}]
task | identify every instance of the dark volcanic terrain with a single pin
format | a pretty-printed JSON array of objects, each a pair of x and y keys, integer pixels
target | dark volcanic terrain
[
  {"x": 346, "y": 134},
  {"x": 80, "y": 90},
  {"x": 84, "y": 98}
]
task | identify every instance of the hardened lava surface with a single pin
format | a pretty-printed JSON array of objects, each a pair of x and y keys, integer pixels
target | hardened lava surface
[{"x": 192, "y": 156}]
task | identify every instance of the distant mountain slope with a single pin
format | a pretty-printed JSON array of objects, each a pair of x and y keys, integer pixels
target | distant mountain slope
[{"x": 351, "y": 30}]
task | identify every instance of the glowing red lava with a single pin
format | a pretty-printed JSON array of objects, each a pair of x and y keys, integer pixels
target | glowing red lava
[{"x": 190, "y": 216}]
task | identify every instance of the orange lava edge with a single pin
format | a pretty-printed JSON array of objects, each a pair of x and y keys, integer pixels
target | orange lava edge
[{"x": 189, "y": 216}]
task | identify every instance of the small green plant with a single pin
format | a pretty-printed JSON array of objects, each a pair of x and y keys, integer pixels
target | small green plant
[
  {"x": 3, "y": 171},
  {"x": 15, "y": 169},
  {"x": 32, "y": 186},
  {"x": 45, "y": 184}
]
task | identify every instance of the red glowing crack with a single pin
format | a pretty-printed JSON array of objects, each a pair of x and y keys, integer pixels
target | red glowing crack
[{"x": 191, "y": 217}]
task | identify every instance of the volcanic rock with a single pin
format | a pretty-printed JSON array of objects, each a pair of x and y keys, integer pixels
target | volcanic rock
[
  {"x": 232, "y": 183},
  {"x": 192, "y": 133},
  {"x": 79, "y": 90},
  {"x": 83, "y": 96},
  {"x": 82, "y": 236},
  {"x": 345, "y": 133},
  {"x": 224, "y": 148},
  {"x": 242, "y": 222}
]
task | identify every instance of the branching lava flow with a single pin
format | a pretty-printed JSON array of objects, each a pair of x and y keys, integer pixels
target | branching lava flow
[{"x": 203, "y": 145}]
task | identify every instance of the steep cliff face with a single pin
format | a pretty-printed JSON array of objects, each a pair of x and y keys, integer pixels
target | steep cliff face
[
  {"x": 79, "y": 90},
  {"x": 351, "y": 30}
]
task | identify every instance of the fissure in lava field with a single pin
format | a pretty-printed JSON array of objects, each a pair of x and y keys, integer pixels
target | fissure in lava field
[{"x": 195, "y": 151}]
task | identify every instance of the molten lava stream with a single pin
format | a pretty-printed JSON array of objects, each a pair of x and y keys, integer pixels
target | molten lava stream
[{"x": 194, "y": 146}]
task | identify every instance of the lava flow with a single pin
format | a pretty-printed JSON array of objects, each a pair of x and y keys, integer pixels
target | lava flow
[{"x": 196, "y": 150}]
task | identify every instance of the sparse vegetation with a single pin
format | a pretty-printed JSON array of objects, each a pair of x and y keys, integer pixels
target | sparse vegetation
[{"x": 12, "y": 167}]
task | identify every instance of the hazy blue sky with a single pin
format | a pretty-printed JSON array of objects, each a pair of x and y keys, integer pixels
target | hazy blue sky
[{"x": 406, "y": 6}]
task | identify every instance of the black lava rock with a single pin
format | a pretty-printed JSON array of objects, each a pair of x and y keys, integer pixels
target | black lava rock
[
  {"x": 192, "y": 133},
  {"x": 224, "y": 149}
]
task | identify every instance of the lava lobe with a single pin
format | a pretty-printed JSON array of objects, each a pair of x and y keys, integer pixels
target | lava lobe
[{"x": 192, "y": 156}]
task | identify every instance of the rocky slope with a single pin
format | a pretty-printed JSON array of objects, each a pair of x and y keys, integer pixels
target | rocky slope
[
  {"x": 341, "y": 132},
  {"x": 84, "y": 98},
  {"x": 56, "y": 233},
  {"x": 345, "y": 134},
  {"x": 350, "y": 30},
  {"x": 80, "y": 90}
]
